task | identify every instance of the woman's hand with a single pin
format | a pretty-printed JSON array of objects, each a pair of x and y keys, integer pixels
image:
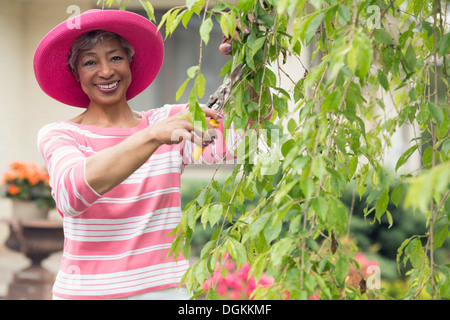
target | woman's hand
[
  {"x": 226, "y": 47},
  {"x": 178, "y": 127}
]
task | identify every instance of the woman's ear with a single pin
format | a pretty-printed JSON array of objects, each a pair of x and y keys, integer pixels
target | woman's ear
[{"x": 75, "y": 74}]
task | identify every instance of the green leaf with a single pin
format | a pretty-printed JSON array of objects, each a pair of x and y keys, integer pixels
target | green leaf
[
  {"x": 427, "y": 156},
  {"x": 383, "y": 80},
  {"x": 255, "y": 228},
  {"x": 364, "y": 54},
  {"x": 337, "y": 215},
  {"x": 292, "y": 126},
  {"x": 238, "y": 102},
  {"x": 245, "y": 5},
  {"x": 424, "y": 114},
  {"x": 271, "y": 232},
  {"x": 405, "y": 156},
  {"x": 187, "y": 16},
  {"x": 207, "y": 248},
  {"x": 340, "y": 142},
  {"x": 415, "y": 252},
  {"x": 323, "y": 286},
  {"x": 317, "y": 4},
  {"x": 400, "y": 251},
  {"x": 270, "y": 79},
  {"x": 282, "y": 6},
  {"x": 352, "y": 166},
  {"x": 307, "y": 187},
  {"x": 352, "y": 60},
  {"x": 332, "y": 101},
  {"x": 410, "y": 58},
  {"x": 281, "y": 249},
  {"x": 309, "y": 27},
  {"x": 318, "y": 167},
  {"x": 236, "y": 250},
  {"x": 256, "y": 46},
  {"x": 172, "y": 21},
  {"x": 205, "y": 30},
  {"x": 398, "y": 193},
  {"x": 226, "y": 67},
  {"x": 320, "y": 206},
  {"x": 445, "y": 125},
  {"x": 381, "y": 204},
  {"x": 192, "y": 71},
  {"x": 288, "y": 146},
  {"x": 440, "y": 236},
  {"x": 443, "y": 46},
  {"x": 390, "y": 220},
  {"x": 419, "y": 192},
  {"x": 341, "y": 269},
  {"x": 192, "y": 214},
  {"x": 382, "y": 36},
  {"x": 284, "y": 190},
  {"x": 200, "y": 85},
  {"x": 188, "y": 278},
  {"x": 228, "y": 23},
  {"x": 436, "y": 113},
  {"x": 312, "y": 244},
  {"x": 191, "y": 3},
  {"x": 200, "y": 271},
  {"x": 215, "y": 213},
  {"x": 149, "y": 10},
  {"x": 196, "y": 114},
  {"x": 180, "y": 91}
]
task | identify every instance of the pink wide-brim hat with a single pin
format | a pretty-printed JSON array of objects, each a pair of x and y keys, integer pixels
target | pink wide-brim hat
[{"x": 50, "y": 59}]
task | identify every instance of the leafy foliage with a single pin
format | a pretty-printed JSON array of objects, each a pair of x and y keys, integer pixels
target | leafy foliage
[{"x": 329, "y": 130}]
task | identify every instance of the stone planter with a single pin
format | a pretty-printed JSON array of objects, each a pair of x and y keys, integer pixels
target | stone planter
[
  {"x": 28, "y": 210},
  {"x": 37, "y": 240}
]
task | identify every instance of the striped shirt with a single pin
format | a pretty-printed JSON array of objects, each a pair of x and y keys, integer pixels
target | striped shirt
[{"x": 116, "y": 245}]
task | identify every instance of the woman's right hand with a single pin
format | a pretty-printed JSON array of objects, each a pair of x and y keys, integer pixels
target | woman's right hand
[{"x": 178, "y": 127}]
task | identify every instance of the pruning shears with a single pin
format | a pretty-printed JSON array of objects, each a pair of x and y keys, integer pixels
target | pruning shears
[{"x": 219, "y": 98}]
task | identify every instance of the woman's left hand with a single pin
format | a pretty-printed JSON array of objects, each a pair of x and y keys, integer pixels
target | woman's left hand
[{"x": 225, "y": 47}]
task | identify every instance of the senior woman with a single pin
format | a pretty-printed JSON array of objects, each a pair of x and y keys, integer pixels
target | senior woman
[{"x": 115, "y": 172}]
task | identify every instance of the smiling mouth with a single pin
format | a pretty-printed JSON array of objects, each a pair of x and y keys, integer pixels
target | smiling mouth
[{"x": 111, "y": 85}]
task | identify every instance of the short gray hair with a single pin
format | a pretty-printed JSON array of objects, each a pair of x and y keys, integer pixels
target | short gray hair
[{"x": 89, "y": 40}]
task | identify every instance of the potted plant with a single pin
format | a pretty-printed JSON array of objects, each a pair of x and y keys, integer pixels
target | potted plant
[{"x": 27, "y": 185}]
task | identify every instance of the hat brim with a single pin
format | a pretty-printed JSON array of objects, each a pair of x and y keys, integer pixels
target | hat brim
[{"x": 50, "y": 60}]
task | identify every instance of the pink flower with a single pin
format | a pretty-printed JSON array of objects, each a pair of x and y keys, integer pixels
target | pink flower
[{"x": 236, "y": 284}]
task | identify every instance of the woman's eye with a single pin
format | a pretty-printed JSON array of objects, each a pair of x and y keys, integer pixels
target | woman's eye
[
  {"x": 89, "y": 63},
  {"x": 116, "y": 58}
]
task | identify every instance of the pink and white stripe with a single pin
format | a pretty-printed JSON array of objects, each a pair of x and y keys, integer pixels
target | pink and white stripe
[{"x": 116, "y": 245}]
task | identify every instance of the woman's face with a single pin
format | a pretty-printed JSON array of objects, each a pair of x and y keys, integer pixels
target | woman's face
[{"x": 104, "y": 73}]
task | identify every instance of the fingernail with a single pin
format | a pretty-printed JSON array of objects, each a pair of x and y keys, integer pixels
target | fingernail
[
  {"x": 220, "y": 116},
  {"x": 246, "y": 30},
  {"x": 228, "y": 48}
]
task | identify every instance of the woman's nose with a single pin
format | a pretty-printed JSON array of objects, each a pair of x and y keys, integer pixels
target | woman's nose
[{"x": 105, "y": 70}]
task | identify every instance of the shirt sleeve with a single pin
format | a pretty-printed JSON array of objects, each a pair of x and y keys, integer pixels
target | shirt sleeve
[{"x": 66, "y": 166}]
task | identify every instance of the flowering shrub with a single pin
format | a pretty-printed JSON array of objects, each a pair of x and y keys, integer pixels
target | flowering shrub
[
  {"x": 28, "y": 181},
  {"x": 233, "y": 284}
]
